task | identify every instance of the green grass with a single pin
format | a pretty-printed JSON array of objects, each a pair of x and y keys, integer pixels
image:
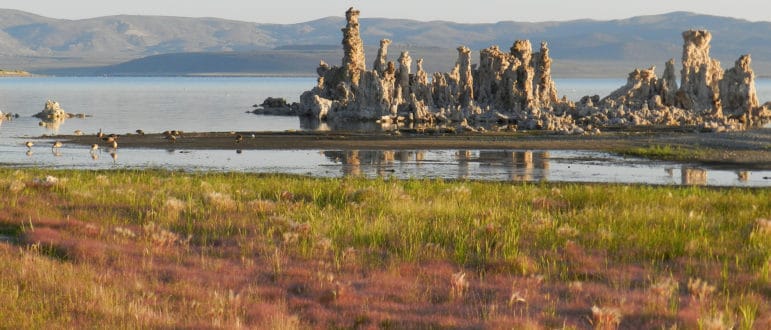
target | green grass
[
  {"x": 562, "y": 232},
  {"x": 664, "y": 152}
]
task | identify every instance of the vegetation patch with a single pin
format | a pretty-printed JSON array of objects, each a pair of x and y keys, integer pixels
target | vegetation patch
[
  {"x": 176, "y": 249},
  {"x": 665, "y": 152}
]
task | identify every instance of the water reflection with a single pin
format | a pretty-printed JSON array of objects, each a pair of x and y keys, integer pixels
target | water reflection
[
  {"x": 382, "y": 162},
  {"x": 52, "y": 125},
  {"x": 693, "y": 176},
  {"x": 524, "y": 165},
  {"x": 488, "y": 165}
]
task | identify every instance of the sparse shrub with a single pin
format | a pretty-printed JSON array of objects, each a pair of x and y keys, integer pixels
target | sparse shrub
[
  {"x": 262, "y": 206},
  {"x": 763, "y": 226},
  {"x": 161, "y": 237},
  {"x": 125, "y": 232},
  {"x": 16, "y": 186},
  {"x": 458, "y": 285},
  {"x": 605, "y": 318},
  {"x": 220, "y": 201},
  {"x": 458, "y": 192},
  {"x": 716, "y": 321},
  {"x": 516, "y": 298},
  {"x": 173, "y": 205},
  {"x": 700, "y": 289},
  {"x": 567, "y": 231},
  {"x": 286, "y": 196},
  {"x": 665, "y": 294}
]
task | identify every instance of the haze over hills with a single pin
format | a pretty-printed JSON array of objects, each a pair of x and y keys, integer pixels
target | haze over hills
[{"x": 177, "y": 45}]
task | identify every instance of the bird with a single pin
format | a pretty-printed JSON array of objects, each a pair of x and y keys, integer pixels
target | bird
[
  {"x": 100, "y": 134},
  {"x": 94, "y": 147},
  {"x": 78, "y": 132},
  {"x": 108, "y": 139},
  {"x": 55, "y": 148},
  {"x": 171, "y": 138},
  {"x": 114, "y": 144},
  {"x": 239, "y": 138},
  {"x": 140, "y": 132},
  {"x": 29, "y": 144}
]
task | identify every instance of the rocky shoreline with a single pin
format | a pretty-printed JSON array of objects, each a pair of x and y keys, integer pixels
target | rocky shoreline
[{"x": 515, "y": 90}]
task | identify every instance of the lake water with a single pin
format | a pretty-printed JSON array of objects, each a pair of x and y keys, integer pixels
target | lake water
[{"x": 122, "y": 105}]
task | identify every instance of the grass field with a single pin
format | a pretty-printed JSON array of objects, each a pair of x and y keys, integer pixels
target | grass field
[{"x": 138, "y": 249}]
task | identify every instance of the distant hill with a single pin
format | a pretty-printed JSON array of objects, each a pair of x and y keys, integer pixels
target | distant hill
[{"x": 177, "y": 45}]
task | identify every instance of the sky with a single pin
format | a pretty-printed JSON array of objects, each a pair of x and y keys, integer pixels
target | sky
[{"x": 469, "y": 11}]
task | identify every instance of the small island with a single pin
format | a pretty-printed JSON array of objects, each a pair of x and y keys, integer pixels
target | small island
[{"x": 14, "y": 73}]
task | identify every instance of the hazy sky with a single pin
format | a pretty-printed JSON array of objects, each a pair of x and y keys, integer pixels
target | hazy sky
[{"x": 293, "y": 11}]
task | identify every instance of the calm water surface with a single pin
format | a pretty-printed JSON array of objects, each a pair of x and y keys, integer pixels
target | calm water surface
[{"x": 153, "y": 104}]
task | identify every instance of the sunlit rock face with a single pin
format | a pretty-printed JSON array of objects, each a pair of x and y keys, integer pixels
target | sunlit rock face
[{"x": 516, "y": 89}]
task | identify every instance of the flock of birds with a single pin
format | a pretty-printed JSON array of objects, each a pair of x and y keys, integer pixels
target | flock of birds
[{"x": 110, "y": 141}]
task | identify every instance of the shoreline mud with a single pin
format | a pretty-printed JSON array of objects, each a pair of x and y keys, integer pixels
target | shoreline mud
[{"x": 747, "y": 149}]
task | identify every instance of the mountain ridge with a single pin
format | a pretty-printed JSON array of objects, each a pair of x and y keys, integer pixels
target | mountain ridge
[{"x": 36, "y": 43}]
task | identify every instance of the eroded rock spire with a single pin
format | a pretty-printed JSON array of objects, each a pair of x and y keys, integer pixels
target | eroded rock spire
[{"x": 353, "y": 47}]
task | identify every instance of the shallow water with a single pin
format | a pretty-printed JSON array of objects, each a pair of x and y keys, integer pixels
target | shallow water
[{"x": 122, "y": 105}]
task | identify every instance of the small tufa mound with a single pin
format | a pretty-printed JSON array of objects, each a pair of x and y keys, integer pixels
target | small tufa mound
[
  {"x": 276, "y": 106},
  {"x": 53, "y": 111}
]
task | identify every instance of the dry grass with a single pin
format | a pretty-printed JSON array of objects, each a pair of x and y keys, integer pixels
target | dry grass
[{"x": 167, "y": 249}]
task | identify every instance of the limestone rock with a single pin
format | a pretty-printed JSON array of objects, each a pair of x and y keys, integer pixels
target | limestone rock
[
  {"x": 641, "y": 86},
  {"x": 737, "y": 89},
  {"x": 545, "y": 90},
  {"x": 381, "y": 63},
  {"x": 668, "y": 84},
  {"x": 523, "y": 87},
  {"x": 465, "y": 76},
  {"x": 403, "y": 77},
  {"x": 53, "y": 111},
  {"x": 700, "y": 76},
  {"x": 516, "y": 89},
  {"x": 493, "y": 64},
  {"x": 353, "y": 47}
]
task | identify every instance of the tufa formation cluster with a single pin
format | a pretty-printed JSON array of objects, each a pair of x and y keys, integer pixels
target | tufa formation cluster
[{"x": 516, "y": 89}]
